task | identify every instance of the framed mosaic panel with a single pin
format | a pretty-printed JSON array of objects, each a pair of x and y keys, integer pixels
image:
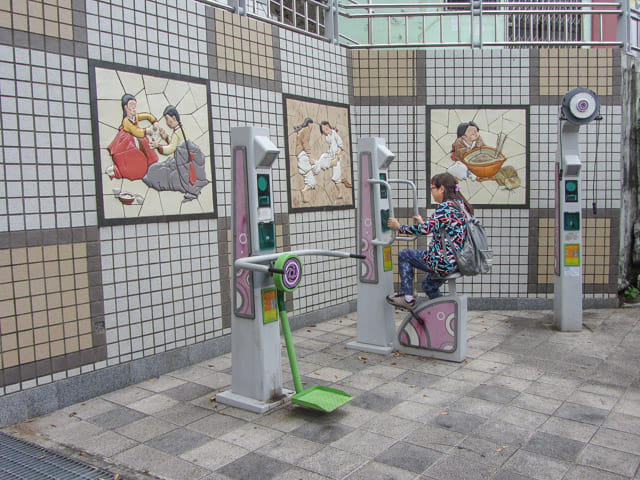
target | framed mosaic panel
[
  {"x": 486, "y": 148},
  {"x": 318, "y": 150},
  {"x": 152, "y": 141}
]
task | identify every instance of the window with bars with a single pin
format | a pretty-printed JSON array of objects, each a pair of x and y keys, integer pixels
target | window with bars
[{"x": 545, "y": 26}]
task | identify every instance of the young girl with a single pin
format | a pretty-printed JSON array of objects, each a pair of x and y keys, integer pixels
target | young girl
[{"x": 439, "y": 259}]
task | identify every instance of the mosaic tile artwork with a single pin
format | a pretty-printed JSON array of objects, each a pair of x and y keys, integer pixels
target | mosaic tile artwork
[
  {"x": 318, "y": 149},
  {"x": 145, "y": 169},
  {"x": 486, "y": 149}
]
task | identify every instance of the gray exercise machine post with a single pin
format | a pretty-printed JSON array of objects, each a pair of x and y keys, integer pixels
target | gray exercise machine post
[
  {"x": 435, "y": 328},
  {"x": 580, "y": 106},
  {"x": 256, "y": 371}
]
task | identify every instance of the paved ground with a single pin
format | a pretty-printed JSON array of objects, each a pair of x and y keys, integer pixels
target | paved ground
[{"x": 529, "y": 403}]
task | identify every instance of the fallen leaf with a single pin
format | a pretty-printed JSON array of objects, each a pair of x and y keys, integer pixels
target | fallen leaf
[
  {"x": 412, "y": 386},
  {"x": 393, "y": 363},
  {"x": 444, "y": 413},
  {"x": 116, "y": 476},
  {"x": 72, "y": 414},
  {"x": 362, "y": 358},
  {"x": 312, "y": 326},
  {"x": 425, "y": 395},
  {"x": 212, "y": 399},
  {"x": 502, "y": 448}
]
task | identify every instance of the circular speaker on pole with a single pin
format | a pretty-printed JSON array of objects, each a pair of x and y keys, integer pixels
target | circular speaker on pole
[{"x": 580, "y": 106}]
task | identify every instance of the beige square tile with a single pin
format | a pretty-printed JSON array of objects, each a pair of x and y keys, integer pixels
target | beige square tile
[
  {"x": 66, "y": 31},
  {"x": 20, "y": 272},
  {"x": 9, "y": 342},
  {"x": 10, "y": 358},
  {"x": 84, "y": 326},
  {"x": 85, "y": 342},
  {"x": 38, "y": 303},
  {"x": 23, "y": 305},
  {"x": 21, "y": 289},
  {"x": 54, "y": 300},
  {"x": 40, "y": 319},
  {"x": 37, "y": 286},
  {"x": 42, "y": 351},
  {"x": 79, "y": 250},
  {"x": 57, "y": 348},
  {"x": 65, "y": 251},
  {"x": 36, "y": 270},
  {"x": 67, "y": 282},
  {"x": 27, "y": 354},
  {"x": 84, "y": 311},
  {"x": 51, "y": 29},
  {"x": 55, "y": 316},
  {"x": 66, "y": 267},
  {"x": 50, "y": 252},
  {"x": 25, "y": 339},
  {"x": 36, "y": 25},
  {"x": 82, "y": 280},
  {"x": 69, "y": 298},
  {"x": 20, "y": 22},
  {"x": 51, "y": 269},
  {"x": 71, "y": 345},
  {"x": 5, "y": 258},
  {"x": 69, "y": 314},
  {"x": 80, "y": 265},
  {"x": 41, "y": 335},
  {"x": 70, "y": 329},
  {"x": 56, "y": 332}
]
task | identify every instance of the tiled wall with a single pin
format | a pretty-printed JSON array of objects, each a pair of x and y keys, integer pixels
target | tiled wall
[{"x": 77, "y": 298}]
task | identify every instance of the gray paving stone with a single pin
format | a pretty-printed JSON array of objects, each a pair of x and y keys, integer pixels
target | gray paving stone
[
  {"x": 555, "y": 446},
  {"x": 187, "y": 391},
  {"x": 373, "y": 401},
  {"x": 333, "y": 463},
  {"x": 435, "y": 438},
  {"x": 458, "y": 421},
  {"x": 178, "y": 441},
  {"x": 183, "y": 414},
  {"x": 509, "y": 475},
  {"x": 581, "y": 413},
  {"x": 379, "y": 471},
  {"x": 610, "y": 460},
  {"x": 581, "y": 472},
  {"x": 322, "y": 433},
  {"x": 116, "y": 417},
  {"x": 623, "y": 441},
  {"x": 145, "y": 429},
  {"x": 494, "y": 393},
  {"x": 537, "y": 466},
  {"x": 366, "y": 444},
  {"x": 455, "y": 468},
  {"x": 290, "y": 448},
  {"x": 408, "y": 456},
  {"x": 255, "y": 467},
  {"x": 419, "y": 379}
]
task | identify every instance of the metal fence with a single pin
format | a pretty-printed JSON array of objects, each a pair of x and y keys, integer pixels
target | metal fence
[{"x": 455, "y": 24}]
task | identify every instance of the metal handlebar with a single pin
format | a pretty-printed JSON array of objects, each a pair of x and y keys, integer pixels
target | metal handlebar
[
  {"x": 257, "y": 263},
  {"x": 394, "y": 235}
]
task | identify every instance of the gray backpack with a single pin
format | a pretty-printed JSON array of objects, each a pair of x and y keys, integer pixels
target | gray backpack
[{"x": 475, "y": 256}]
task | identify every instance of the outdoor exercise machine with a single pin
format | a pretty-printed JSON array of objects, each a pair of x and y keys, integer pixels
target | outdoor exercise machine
[
  {"x": 580, "y": 106},
  {"x": 434, "y": 328},
  {"x": 260, "y": 278}
]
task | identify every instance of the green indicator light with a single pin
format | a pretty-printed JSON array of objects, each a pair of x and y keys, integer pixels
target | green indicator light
[{"x": 263, "y": 184}]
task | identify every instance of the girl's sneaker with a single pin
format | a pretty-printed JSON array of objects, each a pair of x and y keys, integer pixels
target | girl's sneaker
[{"x": 398, "y": 300}]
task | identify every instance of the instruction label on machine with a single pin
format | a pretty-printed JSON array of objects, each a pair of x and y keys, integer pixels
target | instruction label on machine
[
  {"x": 387, "y": 262},
  {"x": 269, "y": 306},
  {"x": 572, "y": 254}
]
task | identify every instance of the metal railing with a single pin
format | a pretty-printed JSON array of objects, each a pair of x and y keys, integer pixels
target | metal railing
[
  {"x": 481, "y": 24},
  {"x": 454, "y": 24}
]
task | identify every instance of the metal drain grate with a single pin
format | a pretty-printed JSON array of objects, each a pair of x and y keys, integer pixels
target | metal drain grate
[{"x": 20, "y": 460}]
